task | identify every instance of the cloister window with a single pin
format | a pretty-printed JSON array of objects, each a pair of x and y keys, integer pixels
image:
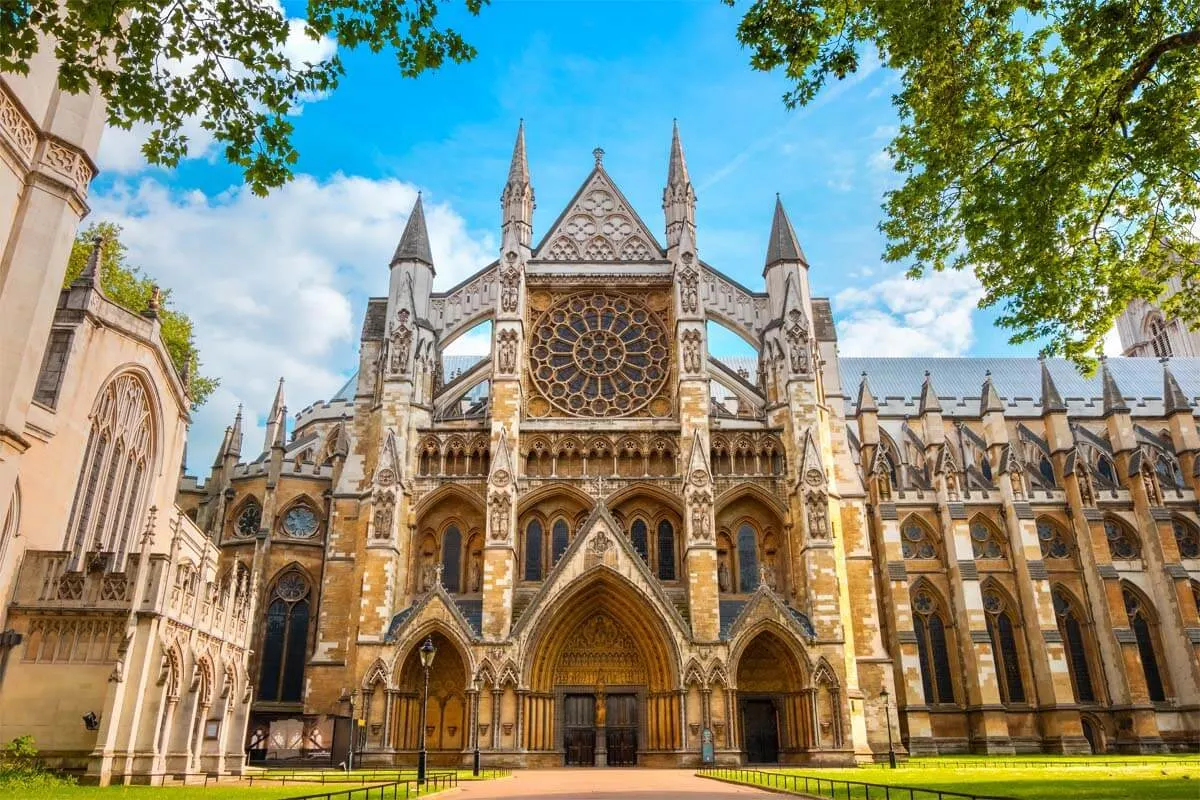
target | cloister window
[
  {"x": 1004, "y": 646},
  {"x": 986, "y": 541},
  {"x": 666, "y": 551},
  {"x": 112, "y": 481},
  {"x": 452, "y": 559},
  {"x": 1187, "y": 538},
  {"x": 639, "y": 537},
  {"x": 1054, "y": 541},
  {"x": 533, "y": 550},
  {"x": 1072, "y": 634},
  {"x": 560, "y": 536},
  {"x": 747, "y": 549},
  {"x": 1143, "y": 623},
  {"x": 1123, "y": 543},
  {"x": 916, "y": 540},
  {"x": 930, "y": 628},
  {"x": 285, "y": 640}
]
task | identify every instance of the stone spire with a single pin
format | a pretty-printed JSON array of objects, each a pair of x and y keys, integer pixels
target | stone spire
[
  {"x": 929, "y": 398},
  {"x": 783, "y": 244},
  {"x": 1051, "y": 399},
  {"x": 679, "y": 198},
  {"x": 235, "y": 435},
  {"x": 989, "y": 398},
  {"x": 90, "y": 277},
  {"x": 1174, "y": 400},
  {"x": 517, "y": 198},
  {"x": 223, "y": 449},
  {"x": 866, "y": 400},
  {"x": 1114, "y": 401},
  {"x": 414, "y": 243},
  {"x": 276, "y": 420}
]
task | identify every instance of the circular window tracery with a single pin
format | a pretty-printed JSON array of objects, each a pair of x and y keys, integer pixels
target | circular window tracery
[
  {"x": 599, "y": 355},
  {"x": 249, "y": 520},
  {"x": 300, "y": 522}
]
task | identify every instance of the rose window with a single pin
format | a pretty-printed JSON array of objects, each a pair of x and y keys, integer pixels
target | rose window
[{"x": 599, "y": 355}]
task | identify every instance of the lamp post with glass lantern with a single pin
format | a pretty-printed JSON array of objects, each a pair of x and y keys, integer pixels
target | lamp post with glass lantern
[
  {"x": 887, "y": 711},
  {"x": 476, "y": 684},
  {"x": 427, "y": 652}
]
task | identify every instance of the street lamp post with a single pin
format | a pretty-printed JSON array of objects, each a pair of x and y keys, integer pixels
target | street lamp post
[
  {"x": 427, "y": 652},
  {"x": 887, "y": 710},
  {"x": 348, "y": 697},
  {"x": 476, "y": 684}
]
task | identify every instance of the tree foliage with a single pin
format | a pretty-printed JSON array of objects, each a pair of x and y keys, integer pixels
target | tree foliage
[
  {"x": 126, "y": 286},
  {"x": 21, "y": 771},
  {"x": 221, "y": 62},
  {"x": 1049, "y": 145}
]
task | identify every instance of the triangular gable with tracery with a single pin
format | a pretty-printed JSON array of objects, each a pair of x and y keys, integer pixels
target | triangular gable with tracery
[{"x": 599, "y": 225}]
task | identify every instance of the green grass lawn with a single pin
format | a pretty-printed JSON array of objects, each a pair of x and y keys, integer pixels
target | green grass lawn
[{"x": 1172, "y": 779}]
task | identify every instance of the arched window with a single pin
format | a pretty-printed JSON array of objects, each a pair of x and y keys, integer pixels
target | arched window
[
  {"x": 112, "y": 481},
  {"x": 639, "y": 537},
  {"x": 533, "y": 550},
  {"x": 666, "y": 551},
  {"x": 1169, "y": 474},
  {"x": 560, "y": 536},
  {"x": 1055, "y": 542},
  {"x": 1072, "y": 635},
  {"x": 1046, "y": 470},
  {"x": 285, "y": 640},
  {"x": 1004, "y": 646},
  {"x": 1104, "y": 469},
  {"x": 916, "y": 540},
  {"x": 452, "y": 559},
  {"x": 930, "y": 628},
  {"x": 1160, "y": 339},
  {"x": 1142, "y": 622},
  {"x": 985, "y": 468},
  {"x": 1123, "y": 543},
  {"x": 747, "y": 552},
  {"x": 1187, "y": 538},
  {"x": 986, "y": 541}
]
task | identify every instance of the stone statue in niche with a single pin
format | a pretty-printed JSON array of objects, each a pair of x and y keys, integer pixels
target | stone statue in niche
[
  {"x": 498, "y": 522},
  {"x": 383, "y": 516},
  {"x": 475, "y": 572},
  {"x": 400, "y": 346},
  {"x": 510, "y": 282},
  {"x": 507, "y": 352},
  {"x": 691, "y": 351},
  {"x": 818, "y": 517},
  {"x": 1017, "y": 480},
  {"x": 951, "y": 486},
  {"x": 689, "y": 292},
  {"x": 1151, "y": 487},
  {"x": 700, "y": 530},
  {"x": 723, "y": 582},
  {"x": 797, "y": 336},
  {"x": 766, "y": 571},
  {"x": 1086, "y": 495}
]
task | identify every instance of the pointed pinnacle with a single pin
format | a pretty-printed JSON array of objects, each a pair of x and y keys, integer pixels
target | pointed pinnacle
[
  {"x": 677, "y": 172},
  {"x": 1114, "y": 401},
  {"x": 277, "y": 404},
  {"x": 235, "y": 434},
  {"x": 518, "y": 170},
  {"x": 1174, "y": 400},
  {"x": 989, "y": 398},
  {"x": 1051, "y": 399},
  {"x": 929, "y": 398},
  {"x": 414, "y": 243},
  {"x": 783, "y": 244},
  {"x": 90, "y": 277},
  {"x": 866, "y": 400}
]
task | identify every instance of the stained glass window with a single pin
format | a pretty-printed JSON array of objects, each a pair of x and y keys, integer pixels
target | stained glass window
[
  {"x": 916, "y": 540},
  {"x": 1004, "y": 646},
  {"x": 1077, "y": 660},
  {"x": 1123, "y": 543},
  {"x": 451, "y": 558},
  {"x": 285, "y": 641},
  {"x": 639, "y": 537},
  {"x": 249, "y": 519},
  {"x": 747, "y": 547},
  {"x": 986, "y": 541},
  {"x": 1054, "y": 541},
  {"x": 666, "y": 551},
  {"x": 560, "y": 535},
  {"x": 1140, "y": 622},
  {"x": 1046, "y": 470},
  {"x": 533, "y": 550},
  {"x": 930, "y": 629}
]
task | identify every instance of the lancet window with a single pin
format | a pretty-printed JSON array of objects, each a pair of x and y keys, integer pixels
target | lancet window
[
  {"x": 1071, "y": 629},
  {"x": 747, "y": 550},
  {"x": 113, "y": 481},
  {"x": 929, "y": 624},
  {"x": 533, "y": 550},
  {"x": 452, "y": 559},
  {"x": 1000, "y": 626},
  {"x": 666, "y": 550},
  {"x": 1123, "y": 543},
  {"x": 285, "y": 640},
  {"x": 560, "y": 537},
  {"x": 1144, "y": 624},
  {"x": 639, "y": 537},
  {"x": 1159, "y": 335}
]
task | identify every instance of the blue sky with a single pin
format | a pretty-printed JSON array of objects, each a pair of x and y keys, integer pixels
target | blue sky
[{"x": 277, "y": 286}]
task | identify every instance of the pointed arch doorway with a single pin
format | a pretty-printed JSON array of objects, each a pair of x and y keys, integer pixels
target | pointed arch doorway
[{"x": 603, "y": 678}]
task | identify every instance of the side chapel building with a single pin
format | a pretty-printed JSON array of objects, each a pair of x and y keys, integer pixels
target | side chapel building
[{"x": 623, "y": 546}]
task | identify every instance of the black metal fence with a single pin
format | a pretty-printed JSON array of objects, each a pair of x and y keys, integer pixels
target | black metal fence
[
  {"x": 835, "y": 788},
  {"x": 1007, "y": 763}
]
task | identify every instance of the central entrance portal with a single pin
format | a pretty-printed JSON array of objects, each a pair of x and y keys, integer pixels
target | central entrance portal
[{"x": 590, "y": 720}]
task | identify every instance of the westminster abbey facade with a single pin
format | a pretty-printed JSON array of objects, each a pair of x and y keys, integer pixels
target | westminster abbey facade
[{"x": 627, "y": 550}]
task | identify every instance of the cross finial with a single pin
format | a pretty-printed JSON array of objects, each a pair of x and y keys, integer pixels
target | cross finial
[{"x": 598, "y": 154}]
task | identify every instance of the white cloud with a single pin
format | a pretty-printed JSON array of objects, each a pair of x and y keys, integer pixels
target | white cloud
[
  {"x": 277, "y": 285},
  {"x": 902, "y": 317},
  {"x": 120, "y": 150},
  {"x": 1110, "y": 345}
]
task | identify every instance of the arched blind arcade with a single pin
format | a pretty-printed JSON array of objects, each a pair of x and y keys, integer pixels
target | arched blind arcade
[{"x": 111, "y": 489}]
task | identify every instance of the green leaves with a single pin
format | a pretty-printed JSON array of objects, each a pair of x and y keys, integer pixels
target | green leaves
[
  {"x": 1048, "y": 145},
  {"x": 128, "y": 287},
  {"x": 222, "y": 62}
]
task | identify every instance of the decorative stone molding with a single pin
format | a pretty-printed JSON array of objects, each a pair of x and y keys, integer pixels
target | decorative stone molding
[
  {"x": 49, "y": 155},
  {"x": 16, "y": 129}
]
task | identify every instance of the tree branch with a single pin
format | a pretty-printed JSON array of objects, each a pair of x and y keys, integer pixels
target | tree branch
[{"x": 1138, "y": 71}]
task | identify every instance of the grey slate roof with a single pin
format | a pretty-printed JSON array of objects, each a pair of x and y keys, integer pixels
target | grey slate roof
[
  {"x": 414, "y": 243},
  {"x": 472, "y": 611},
  {"x": 897, "y": 382},
  {"x": 348, "y": 389},
  {"x": 375, "y": 320},
  {"x": 783, "y": 245},
  {"x": 729, "y": 611}
]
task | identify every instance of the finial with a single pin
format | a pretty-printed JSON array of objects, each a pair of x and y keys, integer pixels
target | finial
[
  {"x": 155, "y": 302},
  {"x": 90, "y": 277},
  {"x": 598, "y": 154}
]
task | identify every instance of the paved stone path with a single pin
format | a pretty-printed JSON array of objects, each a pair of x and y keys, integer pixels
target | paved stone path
[{"x": 608, "y": 784}]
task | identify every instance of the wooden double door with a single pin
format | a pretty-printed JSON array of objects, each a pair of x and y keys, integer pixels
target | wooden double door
[
  {"x": 581, "y": 729},
  {"x": 761, "y": 731}
]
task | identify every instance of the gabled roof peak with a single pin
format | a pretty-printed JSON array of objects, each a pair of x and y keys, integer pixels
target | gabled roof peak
[
  {"x": 414, "y": 243},
  {"x": 783, "y": 244}
]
